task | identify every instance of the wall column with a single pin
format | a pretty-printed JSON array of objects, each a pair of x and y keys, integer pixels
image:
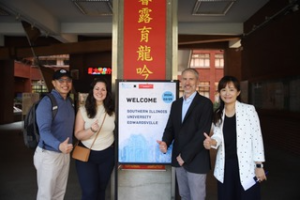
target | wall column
[
  {"x": 7, "y": 96},
  {"x": 138, "y": 184}
]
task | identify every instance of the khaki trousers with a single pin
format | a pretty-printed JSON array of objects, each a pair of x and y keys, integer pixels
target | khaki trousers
[{"x": 52, "y": 174}]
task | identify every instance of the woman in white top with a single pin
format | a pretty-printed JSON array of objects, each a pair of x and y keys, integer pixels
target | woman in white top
[
  {"x": 237, "y": 136},
  {"x": 94, "y": 175}
]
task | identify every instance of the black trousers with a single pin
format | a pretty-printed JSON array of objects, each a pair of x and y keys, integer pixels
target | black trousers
[
  {"x": 94, "y": 175},
  {"x": 232, "y": 189}
]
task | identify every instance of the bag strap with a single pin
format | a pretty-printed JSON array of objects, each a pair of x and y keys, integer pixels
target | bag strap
[
  {"x": 98, "y": 131},
  {"x": 54, "y": 106}
]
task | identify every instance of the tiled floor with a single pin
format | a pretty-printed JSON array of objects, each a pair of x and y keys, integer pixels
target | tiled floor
[{"x": 18, "y": 178}]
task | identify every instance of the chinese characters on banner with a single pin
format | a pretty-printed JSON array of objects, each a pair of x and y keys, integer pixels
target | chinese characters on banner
[
  {"x": 144, "y": 45},
  {"x": 144, "y": 39}
]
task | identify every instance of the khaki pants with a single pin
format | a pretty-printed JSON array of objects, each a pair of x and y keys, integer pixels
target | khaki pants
[{"x": 52, "y": 174}]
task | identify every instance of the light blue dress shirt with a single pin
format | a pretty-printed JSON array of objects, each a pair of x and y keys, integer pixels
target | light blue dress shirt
[{"x": 186, "y": 104}]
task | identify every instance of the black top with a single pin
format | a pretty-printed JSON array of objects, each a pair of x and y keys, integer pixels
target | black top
[{"x": 229, "y": 131}]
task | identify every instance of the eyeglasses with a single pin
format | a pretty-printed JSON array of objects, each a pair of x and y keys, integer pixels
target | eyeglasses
[{"x": 62, "y": 80}]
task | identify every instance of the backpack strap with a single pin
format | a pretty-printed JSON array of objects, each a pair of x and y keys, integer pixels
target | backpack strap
[
  {"x": 54, "y": 108},
  {"x": 54, "y": 104}
]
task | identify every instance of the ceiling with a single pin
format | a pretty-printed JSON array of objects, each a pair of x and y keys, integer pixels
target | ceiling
[{"x": 65, "y": 20}]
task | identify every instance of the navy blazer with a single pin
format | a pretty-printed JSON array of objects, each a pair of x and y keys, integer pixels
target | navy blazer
[{"x": 188, "y": 134}]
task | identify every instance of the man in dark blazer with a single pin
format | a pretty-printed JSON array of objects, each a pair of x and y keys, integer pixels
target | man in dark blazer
[{"x": 190, "y": 117}]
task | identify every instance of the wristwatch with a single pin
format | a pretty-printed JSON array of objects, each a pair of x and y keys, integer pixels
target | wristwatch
[{"x": 260, "y": 165}]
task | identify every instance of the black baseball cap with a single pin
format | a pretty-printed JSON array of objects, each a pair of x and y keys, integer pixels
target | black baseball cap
[{"x": 60, "y": 73}]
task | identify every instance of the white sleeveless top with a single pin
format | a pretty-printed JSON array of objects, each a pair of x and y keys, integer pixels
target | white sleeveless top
[{"x": 106, "y": 136}]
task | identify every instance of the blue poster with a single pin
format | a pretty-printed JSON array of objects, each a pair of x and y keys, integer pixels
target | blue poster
[{"x": 143, "y": 111}]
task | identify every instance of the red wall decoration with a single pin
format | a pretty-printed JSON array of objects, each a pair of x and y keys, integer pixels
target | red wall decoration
[{"x": 144, "y": 39}]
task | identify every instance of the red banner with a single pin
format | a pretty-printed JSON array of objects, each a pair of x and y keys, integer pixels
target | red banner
[{"x": 144, "y": 39}]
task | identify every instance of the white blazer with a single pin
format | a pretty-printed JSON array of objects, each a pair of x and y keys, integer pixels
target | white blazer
[{"x": 250, "y": 147}]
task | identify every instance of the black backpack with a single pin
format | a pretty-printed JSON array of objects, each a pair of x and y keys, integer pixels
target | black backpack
[{"x": 31, "y": 131}]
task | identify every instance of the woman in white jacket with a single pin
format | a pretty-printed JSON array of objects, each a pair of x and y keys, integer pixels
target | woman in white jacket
[{"x": 237, "y": 136}]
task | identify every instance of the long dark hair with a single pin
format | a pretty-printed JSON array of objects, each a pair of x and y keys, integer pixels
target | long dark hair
[
  {"x": 91, "y": 104},
  {"x": 222, "y": 84}
]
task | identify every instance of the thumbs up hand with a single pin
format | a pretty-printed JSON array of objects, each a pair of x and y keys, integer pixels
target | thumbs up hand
[
  {"x": 65, "y": 147},
  {"x": 207, "y": 142}
]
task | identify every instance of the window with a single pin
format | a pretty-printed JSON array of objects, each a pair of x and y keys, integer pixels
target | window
[
  {"x": 66, "y": 62},
  {"x": 38, "y": 87},
  {"x": 200, "y": 60},
  {"x": 219, "y": 60},
  {"x": 204, "y": 89}
]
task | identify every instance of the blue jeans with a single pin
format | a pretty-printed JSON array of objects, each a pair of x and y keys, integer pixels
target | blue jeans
[{"x": 94, "y": 175}]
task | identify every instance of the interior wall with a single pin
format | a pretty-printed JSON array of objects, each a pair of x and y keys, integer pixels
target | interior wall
[
  {"x": 232, "y": 62},
  {"x": 271, "y": 52}
]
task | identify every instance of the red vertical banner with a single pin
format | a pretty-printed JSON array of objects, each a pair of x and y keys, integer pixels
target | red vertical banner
[{"x": 144, "y": 39}]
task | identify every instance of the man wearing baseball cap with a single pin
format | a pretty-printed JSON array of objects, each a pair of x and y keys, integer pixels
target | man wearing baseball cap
[
  {"x": 52, "y": 156},
  {"x": 60, "y": 73}
]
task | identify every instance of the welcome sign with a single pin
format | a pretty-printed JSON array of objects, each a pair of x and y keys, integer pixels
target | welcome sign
[{"x": 143, "y": 111}]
